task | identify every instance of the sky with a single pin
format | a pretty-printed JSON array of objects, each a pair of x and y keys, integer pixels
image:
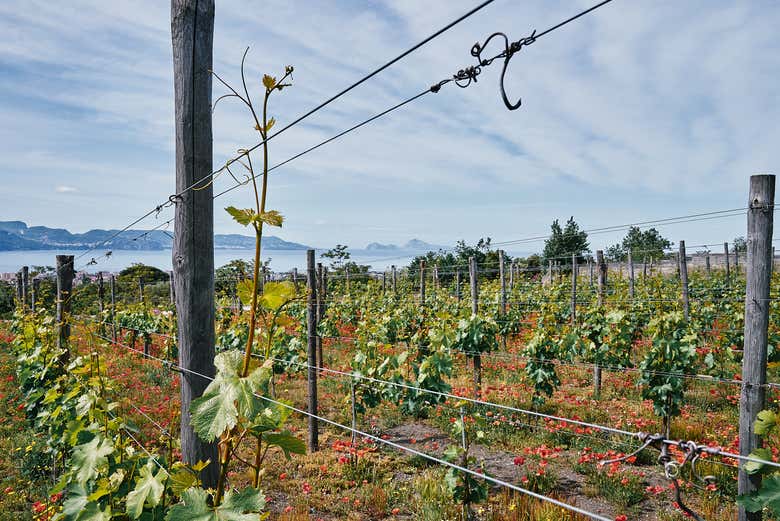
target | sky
[{"x": 638, "y": 111}]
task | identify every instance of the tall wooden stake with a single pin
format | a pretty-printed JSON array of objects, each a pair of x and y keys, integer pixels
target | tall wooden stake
[
  {"x": 602, "y": 288},
  {"x": 683, "y": 270},
  {"x": 422, "y": 283},
  {"x": 35, "y": 294},
  {"x": 457, "y": 285},
  {"x": 112, "y": 314},
  {"x": 574, "y": 288},
  {"x": 320, "y": 310},
  {"x": 474, "y": 309},
  {"x": 503, "y": 280},
  {"x": 395, "y": 280},
  {"x": 140, "y": 289},
  {"x": 25, "y": 285},
  {"x": 759, "y": 252},
  {"x": 728, "y": 267},
  {"x": 192, "y": 32},
  {"x": 311, "y": 329},
  {"x": 65, "y": 275},
  {"x": 630, "y": 276}
]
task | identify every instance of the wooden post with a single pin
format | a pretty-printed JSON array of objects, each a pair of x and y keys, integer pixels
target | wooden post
[
  {"x": 311, "y": 330},
  {"x": 753, "y": 398},
  {"x": 574, "y": 288},
  {"x": 320, "y": 311},
  {"x": 644, "y": 269},
  {"x": 295, "y": 278},
  {"x": 384, "y": 282},
  {"x": 25, "y": 285},
  {"x": 436, "y": 277},
  {"x": 422, "y": 283},
  {"x": 35, "y": 293},
  {"x": 503, "y": 280},
  {"x": 19, "y": 298},
  {"x": 457, "y": 286},
  {"x": 147, "y": 343},
  {"x": 736, "y": 260},
  {"x": 707, "y": 263},
  {"x": 474, "y": 309},
  {"x": 346, "y": 271},
  {"x": 602, "y": 288},
  {"x": 64, "y": 292},
  {"x": 140, "y": 289},
  {"x": 512, "y": 266},
  {"x": 550, "y": 271},
  {"x": 682, "y": 267},
  {"x": 394, "y": 280},
  {"x": 101, "y": 299},
  {"x": 192, "y": 33},
  {"x": 171, "y": 289},
  {"x": 112, "y": 314},
  {"x": 728, "y": 267},
  {"x": 630, "y": 276},
  {"x": 590, "y": 270}
]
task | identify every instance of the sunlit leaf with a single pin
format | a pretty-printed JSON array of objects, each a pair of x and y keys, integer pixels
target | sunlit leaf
[
  {"x": 149, "y": 488},
  {"x": 242, "y": 216}
]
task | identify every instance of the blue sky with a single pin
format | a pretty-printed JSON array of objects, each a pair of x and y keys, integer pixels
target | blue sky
[{"x": 641, "y": 110}]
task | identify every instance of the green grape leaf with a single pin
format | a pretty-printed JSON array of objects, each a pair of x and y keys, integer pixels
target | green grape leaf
[
  {"x": 753, "y": 467},
  {"x": 767, "y": 496},
  {"x": 271, "y": 218},
  {"x": 287, "y": 442},
  {"x": 89, "y": 458},
  {"x": 245, "y": 217},
  {"x": 765, "y": 421},
  {"x": 237, "y": 506},
  {"x": 149, "y": 488},
  {"x": 78, "y": 507},
  {"x": 277, "y": 294},
  {"x": 244, "y": 290}
]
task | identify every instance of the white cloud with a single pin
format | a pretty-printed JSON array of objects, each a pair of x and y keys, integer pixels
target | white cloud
[{"x": 62, "y": 189}]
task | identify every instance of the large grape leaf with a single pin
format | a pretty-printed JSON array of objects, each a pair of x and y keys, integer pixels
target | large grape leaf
[
  {"x": 78, "y": 507},
  {"x": 238, "y": 506},
  {"x": 287, "y": 442},
  {"x": 88, "y": 458},
  {"x": 149, "y": 488},
  {"x": 767, "y": 496}
]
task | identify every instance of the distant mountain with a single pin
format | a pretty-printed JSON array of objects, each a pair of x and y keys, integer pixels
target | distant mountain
[
  {"x": 413, "y": 245},
  {"x": 16, "y": 235},
  {"x": 375, "y": 246}
]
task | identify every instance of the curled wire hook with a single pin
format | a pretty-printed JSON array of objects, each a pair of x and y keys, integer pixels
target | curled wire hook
[
  {"x": 647, "y": 439},
  {"x": 509, "y": 51},
  {"x": 672, "y": 473}
]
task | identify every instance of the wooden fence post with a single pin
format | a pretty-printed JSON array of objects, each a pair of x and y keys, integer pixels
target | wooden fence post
[
  {"x": 436, "y": 277},
  {"x": 631, "y": 281},
  {"x": 474, "y": 309},
  {"x": 320, "y": 294},
  {"x": 457, "y": 285},
  {"x": 574, "y": 288},
  {"x": 550, "y": 271},
  {"x": 707, "y": 266},
  {"x": 394, "y": 280},
  {"x": 311, "y": 329},
  {"x": 112, "y": 314},
  {"x": 172, "y": 289},
  {"x": 192, "y": 34},
  {"x": 35, "y": 293},
  {"x": 19, "y": 297},
  {"x": 64, "y": 292},
  {"x": 682, "y": 268},
  {"x": 140, "y": 289},
  {"x": 384, "y": 282},
  {"x": 25, "y": 285},
  {"x": 346, "y": 272},
  {"x": 503, "y": 280},
  {"x": 422, "y": 283},
  {"x": 512, "y": 266},
  {"x": 757, "y": 302},
  {"x": 590, "y": 270},
  {"x": 101, "y": 294},
  {"x": 602, "y": 288},
  {"x": 728, "y": 267}
]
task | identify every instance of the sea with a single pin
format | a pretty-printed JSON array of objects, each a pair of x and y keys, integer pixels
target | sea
[{"x": 280, "y": 260}]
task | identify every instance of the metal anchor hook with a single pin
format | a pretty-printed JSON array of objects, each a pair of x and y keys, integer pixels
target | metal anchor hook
[{"x": 672, "y": 473}]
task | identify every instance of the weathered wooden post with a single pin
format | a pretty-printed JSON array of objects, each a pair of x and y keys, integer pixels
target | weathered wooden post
[
  {"x": 736, "y": 260},
  {"x": 346, "y": 271},
  {"x": 320, "y": 295},
  {"x": 19, "y": 297},
  {"x": 682, "y": 268},
  {"x": 192, "y": 33},
  {"x": 295, "y": 278},
  {"x": 422, "y": 283},
  {"x": 550, "y": 271},
  {"x": 574, "y": 288},
  {"x": 384, "y": 282},
  {"x": 503, "y": 280},
  {"x": 36, "y": 292},
  {"x": 101, "y": 294},
  {"x": 474, "y": 309},
  {"x": 512, "y": 266},
  {"x": 112, "y": 312},
  {"x": 171, "y": 289},
  {"x": 25, "y": 285},
  {"x": 602, "y": 289},
  {"x": 313, "y": 364},
  {"x": 65, "y": 275},
  {"x": 753, "y": 399},
  {"x": 436, "y": 277},
  {"x": 707, "y": 263},
  {"x": 728, "y": 267},
  {"x": 394, "y": 280},
  {"x": 631, "y": 280},
  {"x": 590, "y": 271}
]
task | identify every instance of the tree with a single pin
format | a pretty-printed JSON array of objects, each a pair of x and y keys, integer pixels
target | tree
[
  {"x": 458, "y": 259},
  {"x": 740, "y": 244},
  {"x": 644, "y": 245},
  {"x": 149, "y": 274},
  {"x": 338, "y": 255},
  {"x": 226, "y": 277},
  {"x": 567, "y": 241}
]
